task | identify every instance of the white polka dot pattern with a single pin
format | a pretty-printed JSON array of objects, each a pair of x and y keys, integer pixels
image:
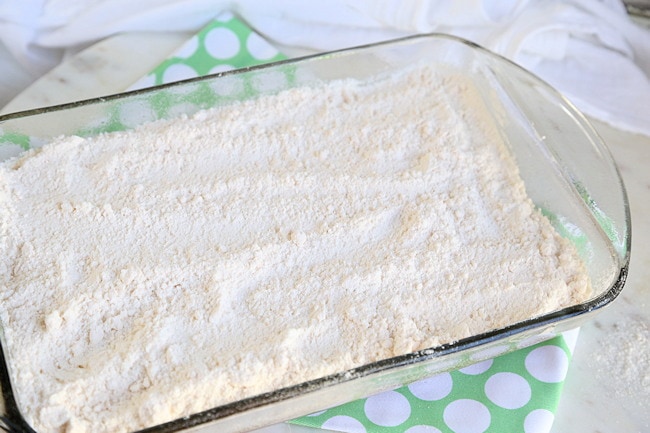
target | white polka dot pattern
[
  {"x": 222, "y": 43},
  {"x": 344, "y": 423},
  {"x": 221, "y": 68},
  {"x": 512, "y": 390},
  {"x": 422, "y": 429},
  {"x": 548, "y": 364},
  {"x": 478, "y": 368},
  {"x": 435, "y": 388},
  {"x": 178, "y": 72},
  {"x": 539, "y": 420},
  {"x": 467, "y": 416},
  {"x": 508, "y": 390},
  {"x": 387, "y": 409}
]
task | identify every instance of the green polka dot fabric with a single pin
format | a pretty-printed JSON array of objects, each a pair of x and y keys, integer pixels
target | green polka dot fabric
[
  {"x": 226, "y": 43},
  {"x": 517, "y": 392}
]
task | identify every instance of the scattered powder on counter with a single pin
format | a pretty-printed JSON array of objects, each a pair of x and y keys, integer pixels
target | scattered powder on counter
[
  {"x": 625, "y": 354},
  {"x": 151, "y": 274}
]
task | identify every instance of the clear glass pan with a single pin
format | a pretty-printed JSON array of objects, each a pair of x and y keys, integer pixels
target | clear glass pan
[{"x": 568, "y": 171}]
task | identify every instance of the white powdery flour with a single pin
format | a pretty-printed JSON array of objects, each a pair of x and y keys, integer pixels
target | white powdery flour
[{"x": 151, "y": 274}]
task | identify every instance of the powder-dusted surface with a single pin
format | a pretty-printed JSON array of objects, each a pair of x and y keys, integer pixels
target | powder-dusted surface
[{"x": 153, "y": 274}]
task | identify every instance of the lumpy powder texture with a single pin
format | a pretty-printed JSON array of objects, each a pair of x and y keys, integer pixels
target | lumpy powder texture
[{"x": 151, "y": 274}]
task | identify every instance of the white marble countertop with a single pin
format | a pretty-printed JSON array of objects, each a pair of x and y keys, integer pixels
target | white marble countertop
[
  {"x": 607, "y": 389},
  {"x": 608, "y": 383}
]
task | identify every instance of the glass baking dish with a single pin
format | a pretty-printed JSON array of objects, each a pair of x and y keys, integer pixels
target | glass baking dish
[{"x": 568, "y": 172}]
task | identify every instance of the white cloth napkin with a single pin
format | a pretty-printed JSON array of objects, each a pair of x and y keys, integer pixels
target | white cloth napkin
[{"x": 589, "y": 50}]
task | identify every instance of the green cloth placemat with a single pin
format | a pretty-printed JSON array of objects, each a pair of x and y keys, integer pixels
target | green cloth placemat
[
  {"x": 224, "y": 44},
  {"x": 516, "y": 392}
]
